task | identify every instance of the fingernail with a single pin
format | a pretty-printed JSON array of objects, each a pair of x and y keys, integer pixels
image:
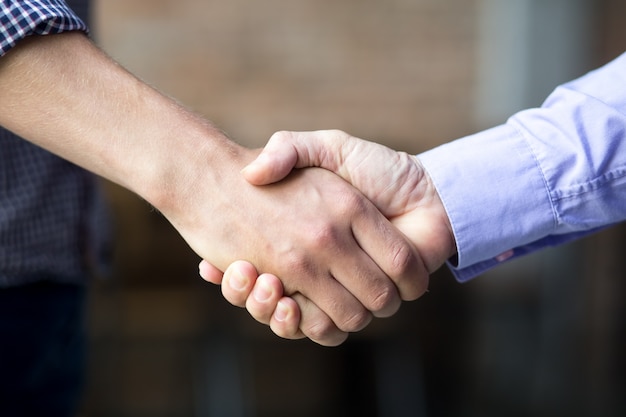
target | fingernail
[
  {"x": 282, "y": 311},
  {"x": 258, "y": 163},
  {"x": 238, "y": 282},
  {"x": 202, "y": 267},
  {"x": 252, "y": 165},
  {"x": 247, "y": 168},
  {"x": 262, "y": 292}
]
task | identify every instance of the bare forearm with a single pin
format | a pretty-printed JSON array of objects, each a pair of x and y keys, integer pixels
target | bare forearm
[{"x": 63, "y": 94}]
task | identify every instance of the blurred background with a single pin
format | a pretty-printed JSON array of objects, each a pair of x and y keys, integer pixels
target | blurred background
[{"x": 542, "y": 336}]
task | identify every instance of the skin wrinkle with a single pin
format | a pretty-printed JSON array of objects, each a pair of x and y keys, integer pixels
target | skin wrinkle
[
  {"x": 190, "y": 172},
  {"x": 404, "y": 180},
  {"x": 415, "y": 204},
  {"x": 354, "y": 169},
  {"x": 382, "y": 294},
  {"x": 407, "y": 182}
]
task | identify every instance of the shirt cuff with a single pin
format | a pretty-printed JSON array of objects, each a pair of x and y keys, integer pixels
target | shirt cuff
[
  {"x": 494, "y": 194},
  {"x": 19, "y": 19}
]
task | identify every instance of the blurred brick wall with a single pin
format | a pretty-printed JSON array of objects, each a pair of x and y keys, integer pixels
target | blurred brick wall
[
  {"x": 397, "y": 71},
  {"x": 400, "y": 72}
]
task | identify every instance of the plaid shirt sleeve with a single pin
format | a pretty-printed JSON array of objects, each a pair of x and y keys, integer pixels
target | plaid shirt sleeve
[{"x": 21, "y": 18}]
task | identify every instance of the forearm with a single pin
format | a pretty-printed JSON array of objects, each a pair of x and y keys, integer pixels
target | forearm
[{"x": 63, "y": 94}]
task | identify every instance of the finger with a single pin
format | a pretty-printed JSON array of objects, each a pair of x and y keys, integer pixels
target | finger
[
  {"x": 329, "y": 245},
  {"x": 210, "y": 273},
  {"x": 274, "y": 163},
  {"x": 363, "y": 278},
  {"x": 394, "y": 254},
  {"x": 283, "y": 152},
  {"x": 264, "y": 298},
  {"x": 238, "y": 281},
  {"x": 288, "y": 150},
  {"x": 355, "y": 266},
  {"x": 369, "y": 284},
  {"x": 339, "y": 303},
  {"x": 317, "y": 325},
  {"x": 285, "y": 321}
]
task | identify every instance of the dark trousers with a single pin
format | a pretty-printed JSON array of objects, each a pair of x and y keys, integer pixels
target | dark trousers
[{"x": 42, "y": 349}]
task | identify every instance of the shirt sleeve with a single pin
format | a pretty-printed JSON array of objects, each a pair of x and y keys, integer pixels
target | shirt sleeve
[
  {"x": 545, "y": 177},
  {"x": 19, "y": 19}
]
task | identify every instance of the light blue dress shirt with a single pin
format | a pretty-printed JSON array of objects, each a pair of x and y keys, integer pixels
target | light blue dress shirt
[{"x": 545, "y": 177}]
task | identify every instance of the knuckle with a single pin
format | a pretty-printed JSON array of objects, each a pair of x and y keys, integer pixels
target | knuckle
[
  {"x": 356, "y": 321},
  {"x": 322, "y": 331},
  {"x": 353, "y": 202},
  {"x": 386, "y": 301},
  {"x": 335, "y": 133},
  {"x": 410, "y": 276},
  {"x": 280, "y": 136},
  {"x": 419, "y": 287},
  {"x": 351, "y": 205},
  {"x": 323, "y": 236},
  {"x": 403, "y": 260},
  {"x": 296, "y": 262},
  {"x": 282, "y": 139}
]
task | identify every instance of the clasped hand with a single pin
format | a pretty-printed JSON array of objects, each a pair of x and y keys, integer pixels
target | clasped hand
[{"x": 395, "y": 183}]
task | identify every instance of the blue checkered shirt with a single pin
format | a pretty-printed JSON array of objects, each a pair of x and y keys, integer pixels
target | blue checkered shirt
[{"x": 52, "y": 217}]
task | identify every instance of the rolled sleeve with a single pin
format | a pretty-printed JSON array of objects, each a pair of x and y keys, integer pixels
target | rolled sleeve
[{"x": 19, "y": 19}]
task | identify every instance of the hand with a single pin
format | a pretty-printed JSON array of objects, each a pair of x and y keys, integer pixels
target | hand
[
  {"x": 395, "y": 182},
  {"x": 315, "y": 231},
  {"x": 326, "y": 241},
  {"x": 262, "y": 295}
]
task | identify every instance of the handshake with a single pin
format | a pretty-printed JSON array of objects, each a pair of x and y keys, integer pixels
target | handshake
[
  {"x": 337, "y": 243},
  {"x": 362, "y": 233}
]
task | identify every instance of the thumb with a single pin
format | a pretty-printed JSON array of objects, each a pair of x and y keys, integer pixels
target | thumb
[
  {"x": 270, "y": 166},
  {"x": 210, "y": 273},
  {"x": 282, "y": 153}
]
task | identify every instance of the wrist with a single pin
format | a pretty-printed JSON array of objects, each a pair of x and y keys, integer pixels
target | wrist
[
  {"x": 439, "y": 208},
  {"x": 198, "y": 156}
]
